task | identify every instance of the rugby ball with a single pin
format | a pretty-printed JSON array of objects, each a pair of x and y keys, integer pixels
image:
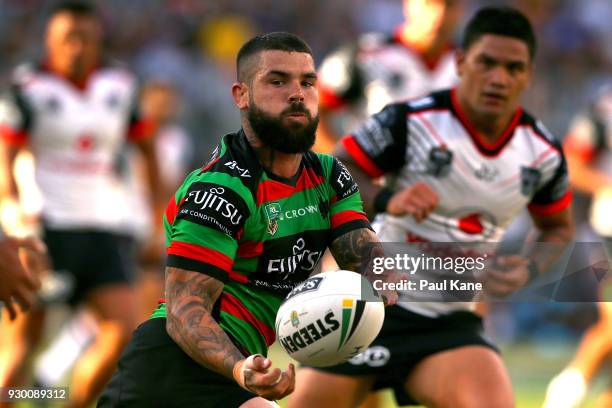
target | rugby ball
[{"x": 329, "y": 318}]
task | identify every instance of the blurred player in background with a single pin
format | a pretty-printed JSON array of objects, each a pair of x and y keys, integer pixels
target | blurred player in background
[
  {"x": 74, "y": 111},
  {"x": 459, "y": 165},
  {"x": 160, "y": 102},
  {"x": 588, "y": 147},
  {"x": 358, "y": 80}
]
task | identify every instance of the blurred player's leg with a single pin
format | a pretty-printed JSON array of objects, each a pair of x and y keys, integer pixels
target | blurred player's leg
[
  {"x": 19, "y": 338},
  {"x": 114, "y": 305},
  {"x": 569, "y": 387},
  {"x": 320, "y": 389},
  {"x": 466, "y": 377}
]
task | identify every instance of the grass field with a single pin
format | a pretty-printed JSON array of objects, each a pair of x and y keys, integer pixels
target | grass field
[{"x": 529, "y": 371}]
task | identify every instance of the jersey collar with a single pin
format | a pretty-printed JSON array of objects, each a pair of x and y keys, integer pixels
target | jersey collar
[{"x": 486, "y": 148}]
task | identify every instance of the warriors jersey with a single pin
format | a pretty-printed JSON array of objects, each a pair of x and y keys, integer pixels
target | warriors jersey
[
  {"x": 481, "y": 186},
  {"x": 75, "y": 134},
  {"x": 377, "y": 71},
  {"x": 259, "y": 234}
]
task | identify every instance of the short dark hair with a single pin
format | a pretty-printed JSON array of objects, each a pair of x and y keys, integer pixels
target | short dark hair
[
  {"x": 280, "y": 41},
  {"x": 77, "y": 8},
  {"x": 504, "y": 21}
]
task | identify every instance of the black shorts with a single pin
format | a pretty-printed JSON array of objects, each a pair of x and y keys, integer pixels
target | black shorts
[
  {"x": 93, "y": 258},
  {"x": 405, "y": 339},
  {"x": 153, "y": 371}
]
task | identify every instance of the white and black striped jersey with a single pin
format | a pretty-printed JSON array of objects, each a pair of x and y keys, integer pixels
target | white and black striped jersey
[
  {"x": 76, "y": 133},
  {"x": 378, "y": 70},
  {"x": 481, "y": 186}
]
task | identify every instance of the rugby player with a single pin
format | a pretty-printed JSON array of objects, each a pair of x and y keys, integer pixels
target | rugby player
[
  {"x": 589, "y": 155},
  {"x": 459, "y": 164},
  {"x": 241, "y": 232},
  {"x": 76, "y": 112},
  {"x": 359, "y": 79}
]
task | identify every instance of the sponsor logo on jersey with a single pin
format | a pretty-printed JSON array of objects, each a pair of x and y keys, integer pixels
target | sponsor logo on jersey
[
  {"x": 234, "y": 166},
  {"x": 342, "y": 181},
  {"x": 530, "y": 179},
  {"x": 302, "y": 257},
  {"x": 309, "y": 285},
  {"x": 300, "y": 212},
  {"x": 376, "y": 356},
  {"x": 311, "y": 333},
  {"x": 215, "y": 206},
  {"x": 486, "y": 173},
  {"x": 469, "y": 224}
]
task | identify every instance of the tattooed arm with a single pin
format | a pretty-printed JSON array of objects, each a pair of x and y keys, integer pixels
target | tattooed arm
[
  {"x": 356, "y": 250},
  {"x": 190, "y": 300}
]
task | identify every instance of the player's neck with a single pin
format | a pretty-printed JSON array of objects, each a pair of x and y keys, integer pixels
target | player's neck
[
  {"x": 79, "y": 78},
  {"x": 284, "y": 165},
  {"x": 490, "y": 127}
]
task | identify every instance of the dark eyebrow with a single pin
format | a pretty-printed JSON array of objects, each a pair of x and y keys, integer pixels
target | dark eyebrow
[
  {"x": 489, "y": 58},
  {"x": 310, "y": 75}
]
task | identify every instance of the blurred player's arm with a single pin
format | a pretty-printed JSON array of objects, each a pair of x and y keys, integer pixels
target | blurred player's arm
[
  {"x": 8, "y": 154},
  {"x": 585, "y": 138},
  {"x": 147, "y": 146}
]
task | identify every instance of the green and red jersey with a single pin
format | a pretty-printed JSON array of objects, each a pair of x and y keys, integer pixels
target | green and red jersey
[{"x": 256, "y": 232}]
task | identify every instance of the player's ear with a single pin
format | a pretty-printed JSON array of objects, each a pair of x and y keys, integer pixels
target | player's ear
[
  {"x": 240, "y": 94},
  {"x": 460, "y": 61}
]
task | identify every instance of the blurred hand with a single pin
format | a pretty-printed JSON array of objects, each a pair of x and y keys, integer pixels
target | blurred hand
[
  {"x": 254, "y": 375},
  {"x": 506, "y": 275},
  {"x": 18, "y": 283},
  {"x": 417, "y": 200}
]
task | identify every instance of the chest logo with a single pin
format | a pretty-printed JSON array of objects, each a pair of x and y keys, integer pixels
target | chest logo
[
  {"x": 530, "y": 179},
  {"x": 273, "y": 213},
  {"x": 486, "y": 173},
  {"x": 440, "y": 159}
]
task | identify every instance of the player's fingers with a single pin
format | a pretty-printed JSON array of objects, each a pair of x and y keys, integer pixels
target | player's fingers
[
  {"x": 498, "y": 289},
  {"x": 258, "y": 363},
  {"x": 509, "y": 261},
  {"x": 268, "y": 379}
]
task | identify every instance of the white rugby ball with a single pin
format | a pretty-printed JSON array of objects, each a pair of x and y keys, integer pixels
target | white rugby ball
[{"x": 329, "y": 318}]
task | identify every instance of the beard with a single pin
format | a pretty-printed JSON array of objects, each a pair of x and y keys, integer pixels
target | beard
[{"x": 292, "y": 138}]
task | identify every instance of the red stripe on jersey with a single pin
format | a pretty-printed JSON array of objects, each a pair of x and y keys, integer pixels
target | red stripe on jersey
[
  {"x": 250, "y": 249},
  {"x": 172, "y": 210},
  {"x": 551, "y": 208},
  {"x": 237, "y": 277},
  {"x": 232, "y": 305},
  {"x": 329, "y": 100},
  {"x": 142, "y": 129},
  {"x": 16, "y": 138},
  {"x": 270, "y": 190},
  {"x": 361, "y": 157},
  {"x": 201, "y": 254},
  {"x": 486, "y": 148},
  {"x": 345, "y": 216}
]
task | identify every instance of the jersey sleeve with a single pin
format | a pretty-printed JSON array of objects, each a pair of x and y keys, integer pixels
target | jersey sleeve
[
  {"x": 379, "y": 145},
  {"x": 346, "y": 206},
  {"x": 555, "y": 194},
  {"x": 339, "y": 80},
  {"x": 204, "y": 222},
  {"x": 15, "y": 117}
]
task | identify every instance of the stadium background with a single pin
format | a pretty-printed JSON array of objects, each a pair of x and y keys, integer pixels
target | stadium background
[{"x": 193, "y": 43}]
